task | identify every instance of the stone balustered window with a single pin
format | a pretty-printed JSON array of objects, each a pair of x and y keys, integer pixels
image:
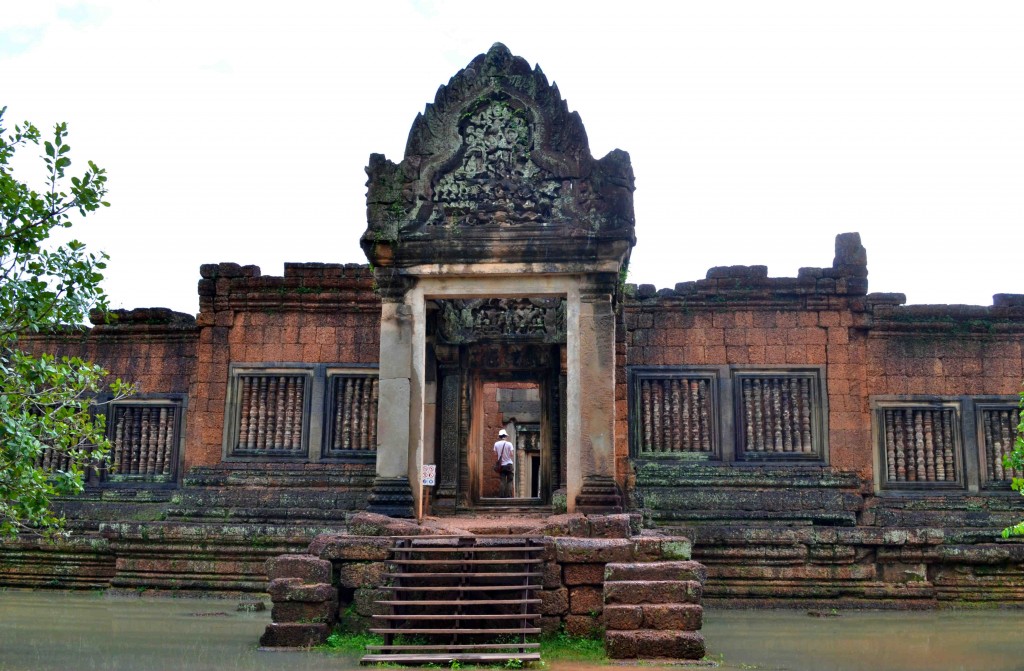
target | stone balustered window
[
  {"x": 144, "y": 441},
  {"x": 301, "y": 412},
  {"x": 270, "y": 413},
  {"x": 778, "y": 415},
  {"x": 52, "y": 460},
  {"x": 919, "y": 444},
  {"x": 675, "y": 414},
  {"x": 728, "y": 413},
  {"x": 997, "y": 432},
  {"x": 352, "y": 412}
]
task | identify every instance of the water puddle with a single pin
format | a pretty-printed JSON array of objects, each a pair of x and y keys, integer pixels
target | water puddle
[{"x": 55, "y": 631}]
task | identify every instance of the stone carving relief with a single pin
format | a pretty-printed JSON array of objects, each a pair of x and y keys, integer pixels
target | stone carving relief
[
  {"x": 490, "y": 319},
  {"x": 514, "y": 356},
  {"x": 494, "y": 179}
]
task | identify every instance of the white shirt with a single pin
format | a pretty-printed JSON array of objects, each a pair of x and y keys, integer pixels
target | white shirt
[{"x": 503, "y": 450}]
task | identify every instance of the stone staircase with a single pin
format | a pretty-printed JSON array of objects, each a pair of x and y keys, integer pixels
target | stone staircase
[{"x": 465, "y": 599}]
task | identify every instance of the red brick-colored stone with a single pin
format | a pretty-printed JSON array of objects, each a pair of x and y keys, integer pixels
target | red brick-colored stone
[
  {"x": 676, "y": 616},
  {"x": 362, "y": 574},
  {"x": 293, "y": 635},
  {"x": 655, "y": 591},
  {"x": 554, "y": 601},
  {"x": 293, "y": 589},
  {"x": 584, "y": 574},
  {"x": 648, "y": 644},
  {"x": 305, "y": 612},
  {"x": 306, "y": 568},
  {"x": 585, "y": 600},
  {"x": 623, "y": 617},
  {"x": 585, "y": 626},
  {"x": 663, "y": 570}
]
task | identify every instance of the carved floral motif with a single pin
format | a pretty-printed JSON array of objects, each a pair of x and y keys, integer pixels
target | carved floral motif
[
  {"x": 495, "y": 180},
  {"x": 531, "y": 319}
]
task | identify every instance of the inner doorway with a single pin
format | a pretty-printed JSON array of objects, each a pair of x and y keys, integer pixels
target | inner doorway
[{"x": 516, "y": 408}]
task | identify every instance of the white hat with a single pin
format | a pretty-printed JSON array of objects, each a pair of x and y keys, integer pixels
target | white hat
[{"x": 502, "y": 434}]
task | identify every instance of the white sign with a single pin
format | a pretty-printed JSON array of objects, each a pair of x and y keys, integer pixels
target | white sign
[{"x": 429, "y": 474}]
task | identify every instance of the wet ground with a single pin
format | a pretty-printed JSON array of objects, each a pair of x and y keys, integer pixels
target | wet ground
[{"x": 43, "y": 631}]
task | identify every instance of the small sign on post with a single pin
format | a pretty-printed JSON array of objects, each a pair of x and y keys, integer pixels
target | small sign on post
[{"x": 429, "y": 474}]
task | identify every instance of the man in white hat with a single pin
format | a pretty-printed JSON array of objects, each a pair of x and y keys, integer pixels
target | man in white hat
[{"x": 504, "y": 450}]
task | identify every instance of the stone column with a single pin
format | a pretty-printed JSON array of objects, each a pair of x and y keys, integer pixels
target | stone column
[
  {"x": 391, "y": 493},
  {"x": 449, "y": 408},
  {"x": 599, "y": 492}
]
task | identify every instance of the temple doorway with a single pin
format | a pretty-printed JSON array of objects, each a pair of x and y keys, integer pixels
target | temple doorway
[{"x": 516, "y": 407}]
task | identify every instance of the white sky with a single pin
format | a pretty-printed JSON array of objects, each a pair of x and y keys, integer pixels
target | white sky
[{"x": 238, "y": 131}]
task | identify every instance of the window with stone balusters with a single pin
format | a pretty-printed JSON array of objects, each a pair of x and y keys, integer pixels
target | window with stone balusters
[
  {"x": 145, "y": 437},
  {"x": 305, "y": 412},
  {"x": 944, "y": 443},
  {"x": 920, "y": 444},
  {"x": 728, "y": 413},
  {"x": 997, "y": 424}
]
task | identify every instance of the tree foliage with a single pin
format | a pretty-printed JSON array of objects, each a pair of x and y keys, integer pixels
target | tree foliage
[
  {"x": 1015, "y": 460},
  {"x": 48, "y": 434}
]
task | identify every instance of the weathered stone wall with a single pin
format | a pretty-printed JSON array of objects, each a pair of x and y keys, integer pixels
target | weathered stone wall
[
  {"x": 831, "y": 528},
  {"x": 153, "y": 348},
  {"x": 315, "y": 313},
  {"x": 598, "y": 572}
]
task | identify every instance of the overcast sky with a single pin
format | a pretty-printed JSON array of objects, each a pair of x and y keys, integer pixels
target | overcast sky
[{"x": 238, "y": 131}]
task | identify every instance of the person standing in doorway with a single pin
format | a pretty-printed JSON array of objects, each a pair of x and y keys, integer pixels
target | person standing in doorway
[{"x": 503, "y": 451}]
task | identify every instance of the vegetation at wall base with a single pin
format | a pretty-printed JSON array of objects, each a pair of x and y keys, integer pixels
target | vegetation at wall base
[
  {"x": 1015, "y": 460},
  {"x": 577, "y": 648},
  {"x": 50, "y": 433}
]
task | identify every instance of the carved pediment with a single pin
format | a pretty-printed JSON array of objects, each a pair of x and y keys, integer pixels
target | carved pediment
[{"x": 497, "y": 155}]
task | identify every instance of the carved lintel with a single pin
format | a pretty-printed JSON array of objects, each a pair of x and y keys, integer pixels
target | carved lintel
[
  {"x": 391, "y": 497},
  {"x": 502, "y": 319},
  {"x": 511, "y": 356}
]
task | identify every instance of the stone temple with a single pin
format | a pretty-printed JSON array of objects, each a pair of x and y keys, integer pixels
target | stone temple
[{"x": 819, "y": 444}]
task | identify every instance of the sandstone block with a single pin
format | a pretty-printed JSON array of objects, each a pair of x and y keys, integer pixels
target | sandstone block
[
  {"x": 305, "y": 612},
  {"x": 372, "y": 524},
  {"x": 623, "y": 617},
  {"x": 586, "y": 600},
  {"x": 554, "y": 601},
  {"x": 358, "y": 548},
  {"x": 552, "y": 575},
  {"x": 648, "y": 644},
  {"x": 293, "y": 589},
  {"x": 582, "y": 625},
  {"x": 661, "y": 570},
  {"x": 550, "y": 625},
  {"x": 593, "y": 550},
  {"x": 610, "y": 526},
  {"x": 675, "y": 616},
  {"x": 291, "y": 635},
  {"x": 653, "y": 591},
  {"x": 647, "y": 548},
  {"x": 362, "y": 574},
  {"x": 574, "y": 524},
  {"x": 364, "y": 601},
  {"x": 584, "y": 574},
  {"x": 305, "y": 567},
  {"x": 678, "y": 548}
]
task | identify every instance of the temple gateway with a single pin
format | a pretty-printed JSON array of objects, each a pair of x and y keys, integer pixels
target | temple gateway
[{"x": 817, "y": 443}]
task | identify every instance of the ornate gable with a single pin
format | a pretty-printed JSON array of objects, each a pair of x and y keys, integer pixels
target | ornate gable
[{"x": 494, "y": 164}]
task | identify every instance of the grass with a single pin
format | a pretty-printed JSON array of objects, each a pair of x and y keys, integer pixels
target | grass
[
  {"x": 560, "y": 646},
  {"x": 349, "y": 642},
  {"x": 564, "y": 646}
]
